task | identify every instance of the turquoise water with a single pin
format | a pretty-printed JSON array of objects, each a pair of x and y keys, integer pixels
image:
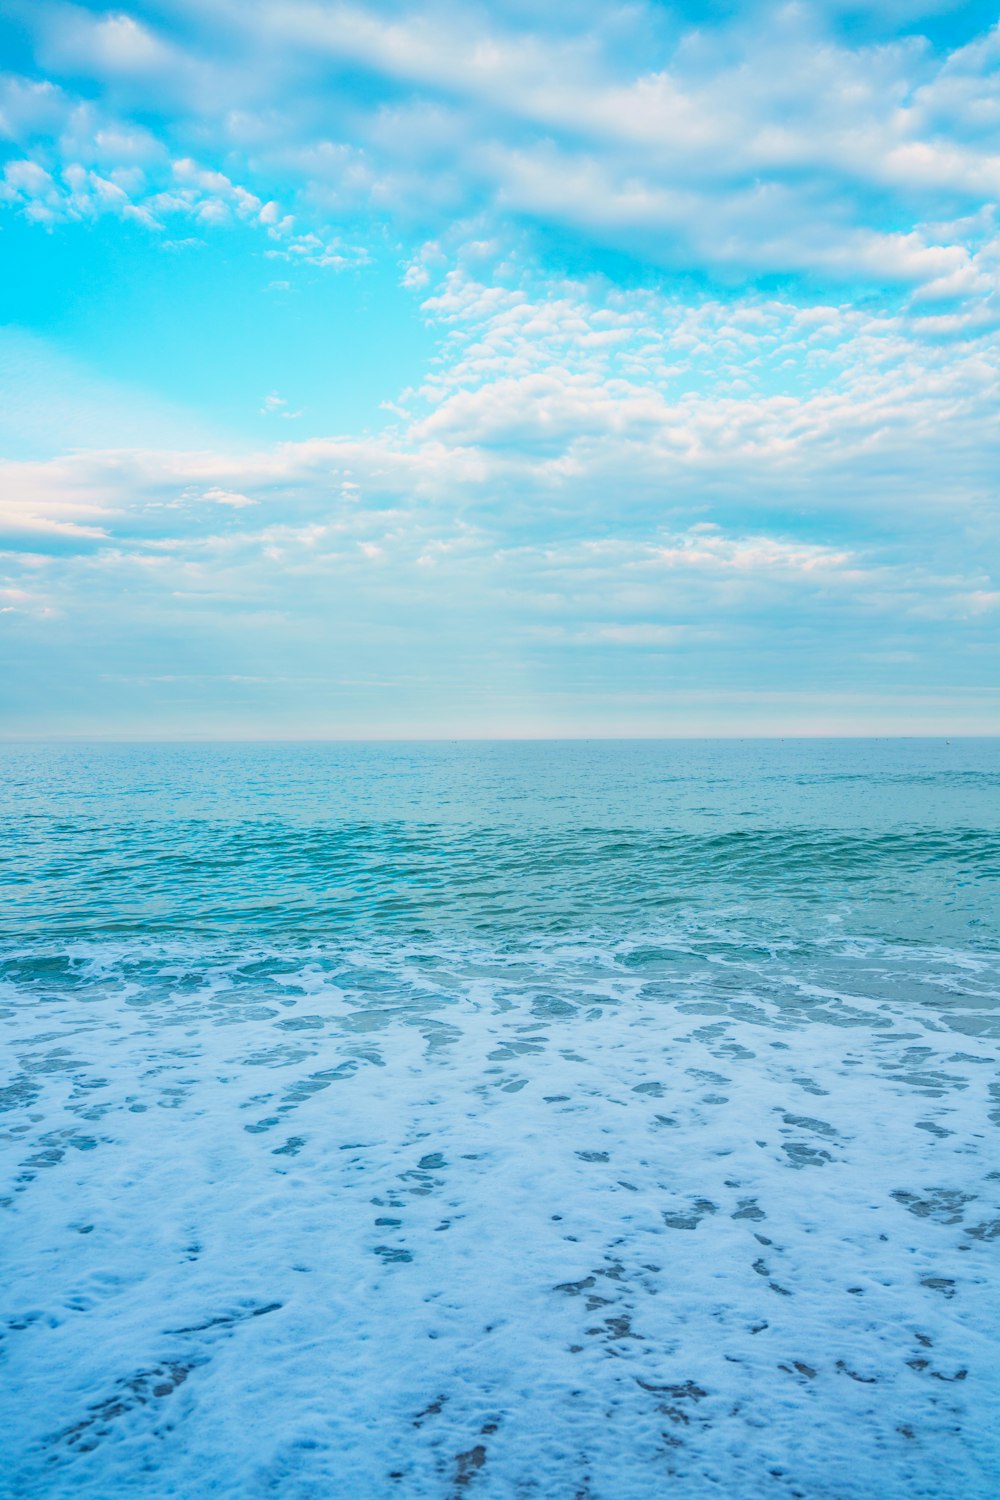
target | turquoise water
[
  {"x": 312, "y": 841},
  {"x": 603, "y": 1119}
]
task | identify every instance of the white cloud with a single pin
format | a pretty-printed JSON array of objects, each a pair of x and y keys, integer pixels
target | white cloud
[
  {"x": 346, "y": 555},
  {"x": 231, "y": 498},
  {"x": 669, "y": 473},
  {"x": 757, "y": 146},
  {"x": 276, "y": 406}
]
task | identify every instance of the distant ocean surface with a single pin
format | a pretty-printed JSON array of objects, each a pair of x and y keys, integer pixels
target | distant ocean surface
[{"x": 581, "y": 1121}]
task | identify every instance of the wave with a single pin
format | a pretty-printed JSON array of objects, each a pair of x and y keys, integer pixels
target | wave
[{"x": 265, "y": 877}]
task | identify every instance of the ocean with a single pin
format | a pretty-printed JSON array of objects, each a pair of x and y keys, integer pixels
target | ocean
[{"x": 583, "y": 1121}]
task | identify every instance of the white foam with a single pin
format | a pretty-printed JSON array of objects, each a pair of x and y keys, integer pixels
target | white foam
[{"x": 556, "y": 1219}]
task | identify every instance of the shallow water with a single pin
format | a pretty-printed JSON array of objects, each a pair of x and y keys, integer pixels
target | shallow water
[{"x": 572, "y": 1120}]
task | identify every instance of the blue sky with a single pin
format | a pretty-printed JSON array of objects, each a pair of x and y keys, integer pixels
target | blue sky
[{"x": 458, "y": 370}]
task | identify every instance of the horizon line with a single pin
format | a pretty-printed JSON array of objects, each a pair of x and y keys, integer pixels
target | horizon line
[{"x": 474, "y": 739}]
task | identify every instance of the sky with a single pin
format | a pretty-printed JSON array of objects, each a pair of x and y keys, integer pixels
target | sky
[{"x": 441, "y": 370}]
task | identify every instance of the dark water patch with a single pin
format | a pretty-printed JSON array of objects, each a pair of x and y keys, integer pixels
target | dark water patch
[{"x": 130, "y": 1393}]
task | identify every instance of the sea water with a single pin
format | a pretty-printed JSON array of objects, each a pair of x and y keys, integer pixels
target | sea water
[{"x": 608, "y": 1120}]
